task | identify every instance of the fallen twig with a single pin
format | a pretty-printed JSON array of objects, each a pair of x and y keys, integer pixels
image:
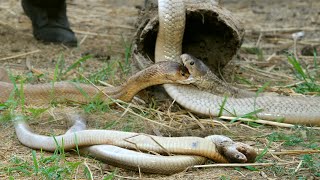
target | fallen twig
[
  {"x": 288, "y": 152},
  {"x": 271, "y": 123},
  {"x": 19, "y": 55},
  {"x": 287, "y": 30},
  {"x": 242, "y": 164}
]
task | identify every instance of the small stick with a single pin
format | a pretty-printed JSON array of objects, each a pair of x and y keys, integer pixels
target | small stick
[
  {"x": 83, "y": 39},
  {"x": 268, "y": 74},
  {"x": 288, "y": 30},
  {"x": 197, "y": 121},
  {"x": 249, "y": 127},
  {"x": 105, "y": 83},
  {"x": 95, "y": 34},
  {"x": 90, "y": 172},
  {"x": 39, "y": 72},
  {"x": 287, "y": 152},
  {"x": 121, "y": 177},
  {"x": 125, "y": 111},
  {"x": 298, "y": 167},
  {"x": 271, "y": 123},
  {"x": 240, "y": 164},
  {"x": 214, "y": 122},
  {"x": 19, "y": 55}
]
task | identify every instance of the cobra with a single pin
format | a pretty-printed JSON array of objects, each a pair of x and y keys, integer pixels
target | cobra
[{"x": 294, "y": 110}]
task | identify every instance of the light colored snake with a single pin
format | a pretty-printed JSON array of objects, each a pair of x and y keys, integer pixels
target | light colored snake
[
  {"x": 294, "y": 110},
  {"x": 182, "y": 152}
]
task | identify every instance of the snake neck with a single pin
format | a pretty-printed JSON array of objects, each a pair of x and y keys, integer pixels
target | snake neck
[
  {"x": 153, "y": 75},
  {"x": 160, "y": 73},
  {"x": 211, "y": 83},
  {"x": 171, "y": 29}
]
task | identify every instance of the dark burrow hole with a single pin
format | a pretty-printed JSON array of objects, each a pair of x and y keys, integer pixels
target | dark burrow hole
[{"x": 206, "y": 37}]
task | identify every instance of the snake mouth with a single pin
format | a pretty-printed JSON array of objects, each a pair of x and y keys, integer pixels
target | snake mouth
[
  {"x": 187, "y": 81},
  {"x": 190, "y": 79}
]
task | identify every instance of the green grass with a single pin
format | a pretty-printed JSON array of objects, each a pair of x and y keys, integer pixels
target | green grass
[
  {"x": 310, "y": 167},
  {"x": 57, "y": 165},
  {"x": 299, "y": 136},
  {"x": 96, "y": 105},
  {"x": 254, "y": 50},
  {"x": 224, "y": 177},
  {"x": 309, "y": 83},
  {"x": 312, "y": 163},
  {"x": 39, "y": 165}
]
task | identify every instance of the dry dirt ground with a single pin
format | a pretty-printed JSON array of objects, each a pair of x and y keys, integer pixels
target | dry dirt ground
[{"x": 104, "y": 29}]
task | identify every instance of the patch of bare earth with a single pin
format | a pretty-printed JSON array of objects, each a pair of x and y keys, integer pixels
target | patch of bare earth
[{"x": 104, "y": 29}]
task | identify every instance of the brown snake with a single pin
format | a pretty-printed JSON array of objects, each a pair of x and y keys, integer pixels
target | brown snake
[{"x": 165, "y": 72}]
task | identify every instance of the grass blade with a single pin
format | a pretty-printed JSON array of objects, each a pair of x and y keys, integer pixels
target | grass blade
[
  {"x": 222, "y": 106},
  {"x": 77, "y": 63},
  {"x": 35, "y": 162}
]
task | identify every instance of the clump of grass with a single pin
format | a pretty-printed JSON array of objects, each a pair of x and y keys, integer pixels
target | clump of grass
[
  {"x": 312, "y": 163},
  {"x": 300, "y": 136},
  {"x": 126, "y": 66},
  {"x": 106, "y": 73},
  {"x": 48, "y": 167},
  {"x": 288, "y": 140},
  {"x": 254, "y": 50},
  {"x": 96, "y": 105},
  {"x": 36, "y": 112},
  {"x": 224, "y": 177},
  {"x": 309, "y": 80}
]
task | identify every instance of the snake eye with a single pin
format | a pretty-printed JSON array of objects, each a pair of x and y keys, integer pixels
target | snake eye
[{"x": 191, "y": 63}]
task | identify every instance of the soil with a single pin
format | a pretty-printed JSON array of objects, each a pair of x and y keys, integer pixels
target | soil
[{"x": 105, "y": 29}]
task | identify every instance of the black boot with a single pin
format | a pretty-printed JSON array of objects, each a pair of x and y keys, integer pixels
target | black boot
[{"x": 49, "y": 21}]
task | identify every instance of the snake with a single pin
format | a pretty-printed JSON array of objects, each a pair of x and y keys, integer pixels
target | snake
[
  {"x": 64, "y": 91},
  {"x": 113, "y": 147},
  {"x": 198, "y": 99}
]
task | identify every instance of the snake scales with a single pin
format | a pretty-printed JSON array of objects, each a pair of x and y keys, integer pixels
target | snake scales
[
  {"x": 105, "y": 144},
  {"x": 165, "y": 72},
  {"x": 295, "y": 110}
]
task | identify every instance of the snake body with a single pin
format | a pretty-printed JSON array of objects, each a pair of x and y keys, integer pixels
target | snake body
[
  {"x": 182, "y": 152},
  {"x": 164, "y": 72},
  {"x": 295, "y": 110}
]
